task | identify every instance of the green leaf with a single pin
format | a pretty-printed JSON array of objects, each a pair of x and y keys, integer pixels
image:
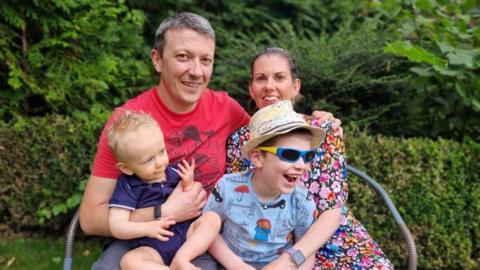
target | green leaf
[
  {"x": 462, "y": 57},
  {"x": 423, "y": 72},
  {"x": 445, "y": 47},
  {"x": 414, "y": 53},
  {"x": 445, "y": 71},
  {"x": 74, "y": 200},
  {"x": 59, "y": 208}
]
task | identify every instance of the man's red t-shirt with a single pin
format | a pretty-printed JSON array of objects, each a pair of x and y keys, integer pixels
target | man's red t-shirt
[{"x": 200, "y": 134}]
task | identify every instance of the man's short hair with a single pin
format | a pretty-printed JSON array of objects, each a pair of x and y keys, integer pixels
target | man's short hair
[{"x": 182, "y": 20}]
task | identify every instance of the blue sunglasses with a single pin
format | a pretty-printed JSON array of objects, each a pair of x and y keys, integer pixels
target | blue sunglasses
[{"x": 290, "y": 155}]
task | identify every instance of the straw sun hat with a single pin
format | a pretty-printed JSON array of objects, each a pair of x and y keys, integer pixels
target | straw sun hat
[{"x": 278, "y": 119}]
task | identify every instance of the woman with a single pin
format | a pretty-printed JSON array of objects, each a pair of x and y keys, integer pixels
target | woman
[{"x": 341, "y": 242}]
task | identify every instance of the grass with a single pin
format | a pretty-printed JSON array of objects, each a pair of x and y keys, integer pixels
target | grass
[{"x": 46, "y": 253}]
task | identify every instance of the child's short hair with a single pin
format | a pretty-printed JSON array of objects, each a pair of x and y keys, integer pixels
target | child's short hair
[
  {"x": 126, "y": 121},
  {"x": 296, "y": 132}
]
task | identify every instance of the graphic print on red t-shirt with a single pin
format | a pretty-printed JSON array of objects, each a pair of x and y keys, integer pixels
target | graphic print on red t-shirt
[{"x": 204, "y": 145}]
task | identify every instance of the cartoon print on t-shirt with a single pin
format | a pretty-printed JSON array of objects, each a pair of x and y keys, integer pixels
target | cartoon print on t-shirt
[
  {"x": 262, "y": 229},
  {"x": 241, "y": 189}
]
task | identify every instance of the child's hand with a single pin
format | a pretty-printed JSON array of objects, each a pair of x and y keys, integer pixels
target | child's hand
[
  {"x": 186, "y": 173},
  {"x": 159, "y": 228}
]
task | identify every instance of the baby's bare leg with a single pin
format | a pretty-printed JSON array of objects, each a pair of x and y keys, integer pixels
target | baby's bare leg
[
  {"x": 200, "y": 236},
  {"x": 142, "y": 258}
]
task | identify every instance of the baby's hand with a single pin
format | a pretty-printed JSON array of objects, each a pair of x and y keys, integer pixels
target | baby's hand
[
  {"x": 159, "y": 228},
  {"x": 186, "y": 173}
]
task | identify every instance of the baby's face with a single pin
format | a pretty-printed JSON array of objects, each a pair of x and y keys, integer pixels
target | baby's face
[{"x": 146, "y": 153}]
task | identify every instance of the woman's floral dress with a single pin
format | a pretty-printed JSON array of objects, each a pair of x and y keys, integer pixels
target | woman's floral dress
[{"x": 350, "y": 247}]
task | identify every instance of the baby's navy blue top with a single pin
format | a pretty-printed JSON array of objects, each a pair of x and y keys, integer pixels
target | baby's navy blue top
[{"x": 133, "y": 193}]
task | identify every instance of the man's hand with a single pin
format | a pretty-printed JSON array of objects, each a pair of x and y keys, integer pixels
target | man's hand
[
  {"x": 186, "y": 172},
  {"x": 185, "y": 204},
  {"x": 328, "y": 116},
  {"x": 159, "y": 228}
]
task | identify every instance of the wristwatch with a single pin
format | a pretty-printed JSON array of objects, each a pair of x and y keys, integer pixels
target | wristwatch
[
  {"x": 157, "y": 211},
  {"x": 296, "y": 256}
]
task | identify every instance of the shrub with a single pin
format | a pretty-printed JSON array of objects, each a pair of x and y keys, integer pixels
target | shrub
[
  {"x": 435, "y": 186},
  {"x": 43, "y": 161}
]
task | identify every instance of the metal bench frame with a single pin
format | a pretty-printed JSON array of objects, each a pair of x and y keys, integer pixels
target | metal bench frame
[{"x": 412, "y": 252}]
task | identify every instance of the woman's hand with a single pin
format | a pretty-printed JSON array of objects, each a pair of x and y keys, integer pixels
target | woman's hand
[{"x": 328, "y": 116}]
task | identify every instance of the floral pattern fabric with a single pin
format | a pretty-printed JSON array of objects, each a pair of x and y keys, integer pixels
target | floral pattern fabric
[{"x": 350, "y": 247}]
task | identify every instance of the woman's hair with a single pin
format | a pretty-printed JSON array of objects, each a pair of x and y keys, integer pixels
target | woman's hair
[
  {"x": 280, "y": 52},
  {"x": 186, "y": 20}
]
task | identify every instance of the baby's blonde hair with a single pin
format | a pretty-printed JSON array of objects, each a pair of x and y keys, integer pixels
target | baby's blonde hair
[{"x": 126, "y": 121}]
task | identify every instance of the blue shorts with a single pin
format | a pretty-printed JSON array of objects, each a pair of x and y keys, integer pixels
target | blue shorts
[{"x": 166, "y": 249}]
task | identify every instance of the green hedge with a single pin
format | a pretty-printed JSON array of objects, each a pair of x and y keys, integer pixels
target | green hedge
[
  {"x": 436, "y": 188},
  {"x": 434, "y": 184},
  {"x": 43, "y": 162}
]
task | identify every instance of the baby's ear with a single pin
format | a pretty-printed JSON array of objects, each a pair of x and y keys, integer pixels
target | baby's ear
[
  {"x": 124, "y": 168},
  {"x": 256, "y": 158}
]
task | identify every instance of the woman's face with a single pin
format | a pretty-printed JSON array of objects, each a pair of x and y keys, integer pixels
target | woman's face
[{"x": 272, "y": 81}]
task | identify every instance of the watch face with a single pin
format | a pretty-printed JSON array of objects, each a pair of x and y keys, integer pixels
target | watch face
[{"x": 296, "y": 255}]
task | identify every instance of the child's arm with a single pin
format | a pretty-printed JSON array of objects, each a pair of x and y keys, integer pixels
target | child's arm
[
  {"x": 122, "y": 228},
  {"x": 320, "y": 231},
  {"x": 220, "y": 251},
  {"x": 186, "y": 172},
  {"x": 308, "y": 264}
]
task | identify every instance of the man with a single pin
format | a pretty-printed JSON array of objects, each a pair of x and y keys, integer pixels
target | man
[{"x": 196, "y": 122}]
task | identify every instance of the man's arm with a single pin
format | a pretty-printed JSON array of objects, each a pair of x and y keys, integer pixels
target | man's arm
[
  {"x": 94, "y": 206},
  {"x": 181, "y": 204}
]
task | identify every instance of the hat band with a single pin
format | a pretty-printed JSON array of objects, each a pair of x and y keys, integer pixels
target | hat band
[{"x": 279, "y": 128}]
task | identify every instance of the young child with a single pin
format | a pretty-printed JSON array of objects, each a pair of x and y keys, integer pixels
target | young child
[
  {"x": 147, "y": 180},
  {"x": 263, "y": 210}
]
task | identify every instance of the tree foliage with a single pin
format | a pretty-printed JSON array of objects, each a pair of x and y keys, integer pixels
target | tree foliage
[
  {"x": 443, "y": 39},
  {"x": 67, "y": 56}
]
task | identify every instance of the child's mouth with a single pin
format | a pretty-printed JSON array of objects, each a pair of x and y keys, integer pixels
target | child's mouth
[{"x": 291, "y": 178}]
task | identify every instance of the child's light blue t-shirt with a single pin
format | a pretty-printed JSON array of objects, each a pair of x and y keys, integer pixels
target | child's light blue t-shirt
[{"x": 259, "y": 231}]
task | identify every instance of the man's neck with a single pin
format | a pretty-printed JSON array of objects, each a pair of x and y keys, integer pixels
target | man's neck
[{"x": 169, "y": 102}]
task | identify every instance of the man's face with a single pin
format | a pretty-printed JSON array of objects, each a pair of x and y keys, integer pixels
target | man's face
[{"x": 185, "y": 68}]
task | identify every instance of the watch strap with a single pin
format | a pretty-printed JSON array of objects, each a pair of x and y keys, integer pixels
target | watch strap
[{"x": 157, "y": 211}]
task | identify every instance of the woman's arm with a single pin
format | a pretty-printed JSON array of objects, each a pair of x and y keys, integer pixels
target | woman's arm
[
  {"x": 315, "y": 237},
  {"x": 320, "y": 232}
]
